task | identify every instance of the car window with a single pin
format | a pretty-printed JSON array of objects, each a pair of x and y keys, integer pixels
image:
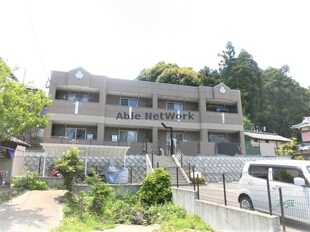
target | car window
[
  {"x": 286, "y": 175},
  {"x": 258, "y": 171}
]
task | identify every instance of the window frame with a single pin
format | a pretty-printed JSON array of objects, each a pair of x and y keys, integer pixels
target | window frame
[
  {"x": 174, "y": 105},
  {"x": 127, "y": 137},
  {"x": 129, "y": 101}
]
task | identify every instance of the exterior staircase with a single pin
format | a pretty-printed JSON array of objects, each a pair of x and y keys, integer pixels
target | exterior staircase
[{"x": 169, "y": 164}]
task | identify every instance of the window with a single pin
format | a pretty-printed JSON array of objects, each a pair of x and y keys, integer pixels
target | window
[
  {"x": 286, "y": 175},
  {"x": 129, "y": 136},
  {"x": 129, "y": 102},
  {"x": 258, "y": 171},
  {"x": 77, "y": 96},
  {"x": 174, "y": 106},
  {"x": 75, "y": 133},
  {"x": 178, "y": 137}
]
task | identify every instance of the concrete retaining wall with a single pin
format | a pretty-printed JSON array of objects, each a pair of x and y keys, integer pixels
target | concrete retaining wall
[
  {"x": 53, "y": 182},
  {"x": 225, "y": 218}
]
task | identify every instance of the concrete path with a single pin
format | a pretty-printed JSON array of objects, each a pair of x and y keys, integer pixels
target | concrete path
[{"x": 32, "y": 211}]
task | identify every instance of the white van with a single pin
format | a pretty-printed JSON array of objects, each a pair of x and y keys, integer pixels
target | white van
[{"x": 293, "y": 176}]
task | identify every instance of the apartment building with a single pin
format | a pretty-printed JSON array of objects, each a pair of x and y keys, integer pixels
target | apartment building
[{"x": 97, "y": 110}]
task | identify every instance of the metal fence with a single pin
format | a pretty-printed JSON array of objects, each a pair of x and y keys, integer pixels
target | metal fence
[{"x": 289, "y": 202}]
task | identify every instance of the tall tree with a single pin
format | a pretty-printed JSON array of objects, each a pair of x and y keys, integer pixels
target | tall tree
[
  {"x": 20, "y": 108},
  {"x": 284, "y": 101},
  {"x": 209, "y": 77},
  {"x": 243, "y": 73}
]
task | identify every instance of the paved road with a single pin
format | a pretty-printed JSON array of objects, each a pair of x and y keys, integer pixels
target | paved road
[{"x": 32, "y": 211}]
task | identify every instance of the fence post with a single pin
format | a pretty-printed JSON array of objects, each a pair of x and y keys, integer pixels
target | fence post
[
  {"x": 181, "y": 160},
  {"x": 224, "y": 187},
  {"x": 177, "y": 169},
  {"x": 269, "y": 197},
  {"x": 282, "y": 209},
  {"x": 40, "y": 160},
  {"x": 194, "y": 178},
  {"x": 189, "y": 170},
  {"x": 197, "y": 186},
  {"x": 152, "y": 159},
  {"x": 157, "y": 165},
  {"x": 131, "y": 174}
]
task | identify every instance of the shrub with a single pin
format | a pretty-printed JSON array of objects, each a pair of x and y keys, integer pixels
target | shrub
[
  {"x": 200, "y": 180},
  {"x": 156, "y": 188},
  {"x": 30, "y": 180},
  {"x": 70, "y": 166},
  {"x": 100, "y": 192}
]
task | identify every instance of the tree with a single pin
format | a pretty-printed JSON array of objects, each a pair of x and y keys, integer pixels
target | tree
[
  {"x": 209, "y": 77},
  {"x": 287, "y": 149},
  {"x": 284, "y": 101},
  {"x": 20, "y": 108},
  {"x": 170, "y": 73},
  {"x": 247, "y": 124},
  {"x": 179, "y": 76},
  {"x": 70, "y": 166},
  {"x": 243, "y": 73},
  {"x": 151, "y": 74}
]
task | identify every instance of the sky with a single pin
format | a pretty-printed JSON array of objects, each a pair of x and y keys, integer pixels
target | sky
[{"x": 119, "y": 38}]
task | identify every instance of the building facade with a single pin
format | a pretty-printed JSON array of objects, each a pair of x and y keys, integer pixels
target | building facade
[{"x": 97, "y": 110}]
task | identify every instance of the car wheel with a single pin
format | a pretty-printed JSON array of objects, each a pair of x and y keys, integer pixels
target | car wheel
[{"x": 246, "y": 203}]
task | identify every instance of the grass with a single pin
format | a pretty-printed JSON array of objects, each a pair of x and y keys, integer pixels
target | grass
[{"x": 121, "y": 209}]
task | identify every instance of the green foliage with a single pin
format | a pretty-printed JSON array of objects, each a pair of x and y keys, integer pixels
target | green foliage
[
  {"x": 70, "y": 166},
  {"x": 287, "y": 149},
  {"x": 247, "y": 124},
  {"x": 20, "y": 109},
  {"x": 284, "y": 102},
  {"x": 174, "y": 218},
  {"x": 29, "y": 181},
  {"x": 100, "y": 192},
  {"x": 151, "y": 74},
  {"x": 199, "y": 180},
  {"x": 88, "y": 222},
  {"x": 170, "y": 73},
  {"x": 179, "y": 76},
  {"x": 209, "y": 77},
  {"x": 156, "y": 188}
]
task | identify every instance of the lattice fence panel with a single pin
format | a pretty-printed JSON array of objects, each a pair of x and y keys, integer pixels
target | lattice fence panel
[
  {"x": 137, "y": 164},
  {"x": 213, "y": 167}
]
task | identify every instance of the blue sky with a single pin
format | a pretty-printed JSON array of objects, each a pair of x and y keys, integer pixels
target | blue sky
[{"x": 118, "y": 38}]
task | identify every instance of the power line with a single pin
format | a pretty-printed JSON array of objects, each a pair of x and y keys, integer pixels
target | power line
[{"x": 37, "y": 45}]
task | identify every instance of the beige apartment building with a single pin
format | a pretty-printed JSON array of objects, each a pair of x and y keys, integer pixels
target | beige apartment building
[{"x": 97, "y": 110}]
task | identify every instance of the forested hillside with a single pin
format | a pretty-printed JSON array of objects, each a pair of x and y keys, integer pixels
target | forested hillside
[{"x": 271, "y": 98}]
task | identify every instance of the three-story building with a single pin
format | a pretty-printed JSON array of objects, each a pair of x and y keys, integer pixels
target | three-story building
[{"x": 97, "y": 110}]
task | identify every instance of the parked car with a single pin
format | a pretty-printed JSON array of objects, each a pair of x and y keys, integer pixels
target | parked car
[{"x": 292, "y": 176}]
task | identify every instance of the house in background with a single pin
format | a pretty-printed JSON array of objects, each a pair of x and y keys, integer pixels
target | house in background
[
  {"x": 8, "y": 150},
  {"x": 304, "y": 129},
  {"x": 262, "y": 143}
]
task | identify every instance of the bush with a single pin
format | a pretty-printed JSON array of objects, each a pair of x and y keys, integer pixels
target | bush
[
  {"x": 30, "y": 180},
  {"x": 156, "y": 188},
  {"x": 70, "y": 166},
  {"x": 100, "y": 192},
  {"x": 200, "y": 180}
]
